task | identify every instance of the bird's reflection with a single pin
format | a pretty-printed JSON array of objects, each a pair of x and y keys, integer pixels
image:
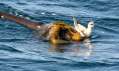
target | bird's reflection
[{"x": 83, "y": 48}]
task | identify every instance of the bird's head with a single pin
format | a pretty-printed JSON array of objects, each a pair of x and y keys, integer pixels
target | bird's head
[{"x": 91, "y": 24}]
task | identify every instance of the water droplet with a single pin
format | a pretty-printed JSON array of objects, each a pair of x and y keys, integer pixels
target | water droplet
[
  {"x": 53, "y": 14},
  {"x": 2, "y": 17},
  {"x": 27, "y": 18},
  {"x": 20, "y": 15},
  {"x": 42, "y": 13},
  {"x": 16, "y": 13},
  {"x": 103, "y": 32}
]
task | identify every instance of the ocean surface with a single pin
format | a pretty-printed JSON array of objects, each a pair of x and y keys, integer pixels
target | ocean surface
[{"x": 22, "y": 50}]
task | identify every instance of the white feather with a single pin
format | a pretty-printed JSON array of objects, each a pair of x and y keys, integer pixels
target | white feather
[{"x": 84, "y": 32}]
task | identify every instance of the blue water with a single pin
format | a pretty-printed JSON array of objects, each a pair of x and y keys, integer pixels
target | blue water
[{"x": 22, "y": 50}]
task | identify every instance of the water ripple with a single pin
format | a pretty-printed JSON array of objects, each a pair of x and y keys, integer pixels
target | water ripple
[{"x": 9, "y": 49}]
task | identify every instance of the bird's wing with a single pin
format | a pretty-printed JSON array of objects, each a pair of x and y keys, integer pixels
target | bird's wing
[
  {"x": 20, "y": 20},
  {"x": 75, "y": 21}
]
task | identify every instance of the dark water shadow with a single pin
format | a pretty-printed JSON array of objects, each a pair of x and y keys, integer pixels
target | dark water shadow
[{"x": 9, "y": 49}]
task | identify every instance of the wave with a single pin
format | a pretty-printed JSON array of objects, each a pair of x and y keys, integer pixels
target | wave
[
  {"x": 9, "y": 49},
  {"x": 11, "y": 40},
  {"x": 91, "y": 64},
  {"x": 53, "y": 62}
]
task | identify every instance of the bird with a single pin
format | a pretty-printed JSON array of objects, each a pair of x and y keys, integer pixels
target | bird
[{"x": 85, "y": 32}]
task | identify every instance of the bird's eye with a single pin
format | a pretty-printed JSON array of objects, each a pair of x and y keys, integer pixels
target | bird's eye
[{"x": 91, "y": 24}]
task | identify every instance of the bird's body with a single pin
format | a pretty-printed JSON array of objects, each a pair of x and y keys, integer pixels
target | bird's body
[{"x": 60, "y": 32}]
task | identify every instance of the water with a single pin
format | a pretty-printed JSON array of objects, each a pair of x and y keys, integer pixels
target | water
[{"x": 22, "y": 50}]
